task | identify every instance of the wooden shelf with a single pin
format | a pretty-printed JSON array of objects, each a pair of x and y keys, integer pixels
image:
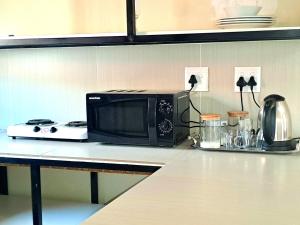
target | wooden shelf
[{"x": 17, "y": 210}]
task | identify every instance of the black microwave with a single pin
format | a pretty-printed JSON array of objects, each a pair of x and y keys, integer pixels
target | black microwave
[{"x": 137, "y": 117}]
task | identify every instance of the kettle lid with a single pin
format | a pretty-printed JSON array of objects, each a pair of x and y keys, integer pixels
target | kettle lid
[{"x": 277, "y": 98}]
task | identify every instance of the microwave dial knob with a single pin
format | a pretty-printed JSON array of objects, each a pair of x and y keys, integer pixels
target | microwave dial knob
[
  {"x": 165, "y": 108},
  {"x": 165, "y": 126}
]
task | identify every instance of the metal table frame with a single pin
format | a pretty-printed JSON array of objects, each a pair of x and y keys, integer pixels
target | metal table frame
[{"x": 35, "y": 171}]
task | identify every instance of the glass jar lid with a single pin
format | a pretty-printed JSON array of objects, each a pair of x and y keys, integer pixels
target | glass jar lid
[
  {"x": 210, "y": 116},
  {"x": 240, "y": 114}
]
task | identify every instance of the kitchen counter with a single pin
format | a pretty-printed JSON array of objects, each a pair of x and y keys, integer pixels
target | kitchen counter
[{"x": 192, "y": 186}]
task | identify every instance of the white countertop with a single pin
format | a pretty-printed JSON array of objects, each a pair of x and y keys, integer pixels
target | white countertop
[{"x": 193, "y": 186}]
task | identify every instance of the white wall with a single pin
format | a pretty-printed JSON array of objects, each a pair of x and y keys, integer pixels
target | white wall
[{"x": 52, "y": 83}]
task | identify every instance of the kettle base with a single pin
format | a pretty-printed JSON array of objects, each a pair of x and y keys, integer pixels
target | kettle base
[{"x": 280, "y": 145}]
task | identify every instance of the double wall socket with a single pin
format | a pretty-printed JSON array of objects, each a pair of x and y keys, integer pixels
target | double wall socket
[
  {"x": 247, "y": 72},
  {"x": 201, "y": 74}
]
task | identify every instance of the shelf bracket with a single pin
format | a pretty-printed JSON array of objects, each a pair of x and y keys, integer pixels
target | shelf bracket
[
  {"x": 94, "y": 188},
  {"x": 131, "y": 23},
  {"x": 36, "y": 194},
  {"x": 3, "y": 181}
]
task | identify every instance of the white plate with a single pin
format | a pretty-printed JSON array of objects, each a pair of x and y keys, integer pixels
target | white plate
[
  {"x": 244, "y": 25},
  {"x": 234, "y": 21},
  {"x": 247, "y": 17},
  {"x": 243, "y": 22}
]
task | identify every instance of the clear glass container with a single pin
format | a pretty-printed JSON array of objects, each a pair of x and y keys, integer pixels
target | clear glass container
[
  {"x": 235, "y": 117},
  {"x": 239, "y": 130},
  {"x": 210, "y": 132}
]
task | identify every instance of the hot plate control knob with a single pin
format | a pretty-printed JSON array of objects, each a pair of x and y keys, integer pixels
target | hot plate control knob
[
  {"x": 165, "y": 108},
  {"x": 53, "y": 129},
  {"x": 36, "y": 129},
  {"x": 165, "y": 126}
]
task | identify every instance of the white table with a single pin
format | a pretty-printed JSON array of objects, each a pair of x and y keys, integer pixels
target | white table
[
  {"x": 191, "y": 186},
  {"x": 38, "y": 153}
]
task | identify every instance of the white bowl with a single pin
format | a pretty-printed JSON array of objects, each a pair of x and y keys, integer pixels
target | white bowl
[{"x": 242, "y": 10}]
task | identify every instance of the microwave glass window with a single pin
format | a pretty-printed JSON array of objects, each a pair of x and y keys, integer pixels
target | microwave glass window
[{"x": 129, "y": 118}]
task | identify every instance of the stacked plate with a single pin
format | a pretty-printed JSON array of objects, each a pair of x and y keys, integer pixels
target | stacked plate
[{"x": 245, "y": 22}]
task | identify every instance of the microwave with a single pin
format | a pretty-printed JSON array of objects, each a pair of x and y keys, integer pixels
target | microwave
[{"x": 137, "y": 117}]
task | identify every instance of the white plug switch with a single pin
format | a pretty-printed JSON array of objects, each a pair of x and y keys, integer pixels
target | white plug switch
[
  {"x": 247, "y": 72},
  {"x": 201, "y": 74}
]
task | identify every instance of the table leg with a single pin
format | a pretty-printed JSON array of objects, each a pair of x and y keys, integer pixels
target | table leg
[
  {"x": 36, "y": 194},
  {"x": 3, "y": 181},
  {"x": 94, "y": 188}
]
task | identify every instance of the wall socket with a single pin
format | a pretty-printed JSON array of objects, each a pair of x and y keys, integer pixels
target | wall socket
[
  {"x": 247, "y": 72},
  {"x": 201, "y": 74}
]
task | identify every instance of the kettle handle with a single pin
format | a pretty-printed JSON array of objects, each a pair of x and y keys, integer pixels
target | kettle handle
[{"x": 269, "y": 121}]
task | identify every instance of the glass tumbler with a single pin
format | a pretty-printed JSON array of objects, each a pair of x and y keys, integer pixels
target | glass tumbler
[{"x": 210, "y": 131}]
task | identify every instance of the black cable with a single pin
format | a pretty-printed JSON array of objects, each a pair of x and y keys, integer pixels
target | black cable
[
  {"x": 253, "y": 96},
  {"x": 195, "y": 107},
  {"x": 241, "y": 83},
  {"x": 181, "y": 116},
  {"x": 242, "y": 102},
  {"x": 192, "y": 81},
  {"x": 252, "y": 83},
  {"x": 182, "y": 120}
]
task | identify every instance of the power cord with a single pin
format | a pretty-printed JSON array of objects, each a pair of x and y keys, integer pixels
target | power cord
[
  {"x": 195, "y": 107},
  {"x": 241, "y": 83},
  {"x": 252, "y": 83},
  {"x": 192, "y": 81}
]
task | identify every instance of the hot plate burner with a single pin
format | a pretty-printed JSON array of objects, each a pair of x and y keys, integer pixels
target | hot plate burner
[
  {"x": 47, "y": 129},
  {"x": 40, "y": 122},
  {"x": 76, "y": 124}
]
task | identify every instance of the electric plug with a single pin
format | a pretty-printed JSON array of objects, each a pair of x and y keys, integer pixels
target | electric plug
[
  {"x": 241, "y": 83},
  {"x": 193, "y": 81},
  {"x": 252, "y": 83}
]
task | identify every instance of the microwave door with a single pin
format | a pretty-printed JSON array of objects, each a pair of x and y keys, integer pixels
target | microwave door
[{"x": 124, "y": 121}]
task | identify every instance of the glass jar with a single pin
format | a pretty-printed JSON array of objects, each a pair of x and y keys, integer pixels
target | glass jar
[
  {"x": 210, "y": 132},
  {"x": 235, "y": 117},
  {"x": 240, "y": 130}
]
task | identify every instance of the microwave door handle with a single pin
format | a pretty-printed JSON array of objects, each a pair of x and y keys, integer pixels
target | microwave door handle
[{"x": 152, "y": 121}]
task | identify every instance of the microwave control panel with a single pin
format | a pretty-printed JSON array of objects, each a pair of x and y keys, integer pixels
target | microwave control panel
[{"x": 164, "y": 115}]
